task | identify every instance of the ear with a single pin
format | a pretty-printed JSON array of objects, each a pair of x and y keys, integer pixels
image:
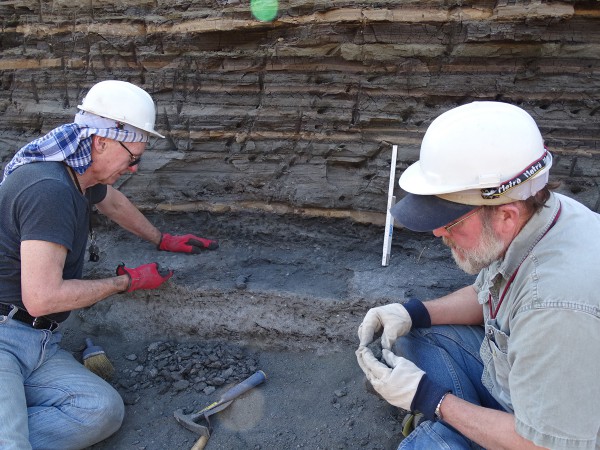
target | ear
[
  {"x": 509, "y": 219},
  {"x": 99, "y": 143}
]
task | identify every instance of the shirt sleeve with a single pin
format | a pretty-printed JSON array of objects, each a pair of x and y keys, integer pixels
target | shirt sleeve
[
  {"x": 96, "y": 193},
  {"x": 42, "y": 217}
]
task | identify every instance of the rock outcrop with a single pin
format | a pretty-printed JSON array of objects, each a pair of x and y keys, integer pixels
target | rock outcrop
[{"x": 299, "y": 114}]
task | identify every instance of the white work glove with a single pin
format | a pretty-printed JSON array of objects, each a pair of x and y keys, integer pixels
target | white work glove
[
  {"x": 397, "y": 385},
  {"x": 393, "y": 318}
]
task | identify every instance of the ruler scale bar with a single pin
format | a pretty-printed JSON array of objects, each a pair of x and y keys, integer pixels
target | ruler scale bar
[{"x": 389, "y": 219}]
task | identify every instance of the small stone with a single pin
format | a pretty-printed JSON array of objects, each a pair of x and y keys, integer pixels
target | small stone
[
  {"x": 241, "y": 282},
  {"x": 340, "y": 392},
  {"x": 130, "y": 399},
  {"x": 200, "y": 386},
  {"x": 217, "y": 381},
  {"x": 153, "y": 347},
  {"x": 209, "y": 390},
  {"x": 181, "y": 385},
  {"x": 131, "y": 357}
]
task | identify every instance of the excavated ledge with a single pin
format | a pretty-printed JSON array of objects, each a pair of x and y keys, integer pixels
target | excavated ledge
[{"x": 277, "y": 281}]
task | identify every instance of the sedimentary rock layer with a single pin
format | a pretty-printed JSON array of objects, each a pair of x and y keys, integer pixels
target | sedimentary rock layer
[{"x": 302, "y": 111}]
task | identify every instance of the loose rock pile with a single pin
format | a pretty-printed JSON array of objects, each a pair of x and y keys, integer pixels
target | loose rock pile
[{"x": 173, "y": 367}]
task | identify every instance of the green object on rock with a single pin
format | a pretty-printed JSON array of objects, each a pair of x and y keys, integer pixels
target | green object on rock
[{"x": 264, "y": 10}]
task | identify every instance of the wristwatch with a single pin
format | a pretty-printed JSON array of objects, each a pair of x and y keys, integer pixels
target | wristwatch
[{"x": 438, "y": 411}]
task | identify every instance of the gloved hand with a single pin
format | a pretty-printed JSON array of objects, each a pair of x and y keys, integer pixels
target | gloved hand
[
  {"x": 393, "y": 318},
  {"x": 398, "y": 383},
  {"x": 186, "y": 244},
  {"x": 146, "y": 276}
]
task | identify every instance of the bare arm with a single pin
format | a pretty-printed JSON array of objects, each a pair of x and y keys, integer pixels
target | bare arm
[
  {"x": 43, "y": 289},
  {"x": 489, "y": 428},
  {"x": 118, "y": 208},
  {"x": 459, "y": 308}
]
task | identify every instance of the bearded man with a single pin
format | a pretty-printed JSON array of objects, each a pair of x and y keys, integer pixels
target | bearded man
[{"x": 510, "y": 361}]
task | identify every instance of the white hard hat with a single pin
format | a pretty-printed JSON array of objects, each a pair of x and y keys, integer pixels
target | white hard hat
[
  {"x": 123, "y": 102},
  {"x": 481, "y": 153},
  {"x": 478, "y": 146}
]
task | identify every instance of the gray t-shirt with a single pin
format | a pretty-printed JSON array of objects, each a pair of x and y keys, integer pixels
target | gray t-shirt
[
  {"x": 542, "y": 346},
  {"x": 39, "y": 201}
]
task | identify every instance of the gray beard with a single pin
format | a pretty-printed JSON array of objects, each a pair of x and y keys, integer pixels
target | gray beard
[{"x": 489, "y": 249}]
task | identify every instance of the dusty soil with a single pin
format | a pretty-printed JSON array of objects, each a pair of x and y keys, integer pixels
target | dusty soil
[{"x": 282, "y": 294}]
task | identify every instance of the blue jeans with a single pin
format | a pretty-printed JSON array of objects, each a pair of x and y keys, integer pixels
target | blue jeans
[
  {"x": 48, "y": 400},
  {"x": 450, "y": 356}
]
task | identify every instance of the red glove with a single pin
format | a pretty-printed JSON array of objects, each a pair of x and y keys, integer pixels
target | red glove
[
  {"x": 186, "y": 244},
  {"x": 147, "y": 276}
]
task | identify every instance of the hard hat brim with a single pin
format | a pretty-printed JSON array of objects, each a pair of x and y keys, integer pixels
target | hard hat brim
[
  {"x": 116, "y": 117},
  {"x": 427, "y": 212}
]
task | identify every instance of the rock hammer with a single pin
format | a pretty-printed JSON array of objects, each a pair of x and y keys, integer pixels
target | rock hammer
[{"x": 192, "y": 421}]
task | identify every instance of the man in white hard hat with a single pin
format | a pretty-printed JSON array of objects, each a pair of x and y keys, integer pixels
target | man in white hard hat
[
  {"x": 48, "y": 400},
  {"x": 511, "y": 361}
]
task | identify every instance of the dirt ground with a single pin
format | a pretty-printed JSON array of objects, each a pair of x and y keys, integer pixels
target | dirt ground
[{"x": 282, "y": 294}]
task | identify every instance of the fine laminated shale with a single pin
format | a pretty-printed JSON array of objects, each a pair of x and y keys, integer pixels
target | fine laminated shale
[{"x": 301, "y": 112}]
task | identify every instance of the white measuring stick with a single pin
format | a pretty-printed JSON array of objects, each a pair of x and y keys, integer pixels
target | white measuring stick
[{"x": 389, "y": 219}]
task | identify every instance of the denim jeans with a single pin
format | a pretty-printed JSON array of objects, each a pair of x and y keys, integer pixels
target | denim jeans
[
  {"x": 48, "y": 400},
  {"x": 449, "y": 354}
]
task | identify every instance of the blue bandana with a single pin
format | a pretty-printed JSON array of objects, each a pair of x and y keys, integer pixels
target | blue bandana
[{"x": 72, "y": 143}]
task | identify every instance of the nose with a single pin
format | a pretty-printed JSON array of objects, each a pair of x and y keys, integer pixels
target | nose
[
  {"x": 441, "y": 231},
  {"x": 133, "y": 169}
]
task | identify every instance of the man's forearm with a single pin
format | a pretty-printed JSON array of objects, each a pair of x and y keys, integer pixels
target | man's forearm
[
  {"x": 492, "y": 429},
  {"x": 459, "y": 308},
  {"x": 73, "y": 294},
  {"x": 43, "y": 290},
  {"x": 118, "y": 208}
]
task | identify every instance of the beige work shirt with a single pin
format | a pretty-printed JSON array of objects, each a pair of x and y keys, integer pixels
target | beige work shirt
[{"x": 541, "y": 352}]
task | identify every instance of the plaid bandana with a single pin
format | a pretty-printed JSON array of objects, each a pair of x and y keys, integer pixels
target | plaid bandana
[{"x": 72, "y": 143}]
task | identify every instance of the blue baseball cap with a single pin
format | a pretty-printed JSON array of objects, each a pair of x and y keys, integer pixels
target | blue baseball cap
[{"x": 427, "y": 212}]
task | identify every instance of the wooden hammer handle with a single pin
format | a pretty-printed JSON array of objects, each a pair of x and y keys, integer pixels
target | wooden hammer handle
[{"x": 200, "y": 443}]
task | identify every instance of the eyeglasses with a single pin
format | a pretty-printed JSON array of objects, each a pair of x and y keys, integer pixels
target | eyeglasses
[
  {"x": 462, "y": 219},
  {"x": 133, "y": 159}
]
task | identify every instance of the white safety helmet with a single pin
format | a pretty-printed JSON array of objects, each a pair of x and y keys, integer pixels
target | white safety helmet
[
  {"x": 123, "y": 102},
  {"x": 482, "y": 153}
]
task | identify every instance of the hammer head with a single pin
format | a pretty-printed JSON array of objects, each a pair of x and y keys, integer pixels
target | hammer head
[{"x": 191, "y": 422}]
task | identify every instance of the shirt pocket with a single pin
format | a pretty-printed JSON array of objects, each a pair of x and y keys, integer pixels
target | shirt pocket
[{"x": 498, "y": 366}]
